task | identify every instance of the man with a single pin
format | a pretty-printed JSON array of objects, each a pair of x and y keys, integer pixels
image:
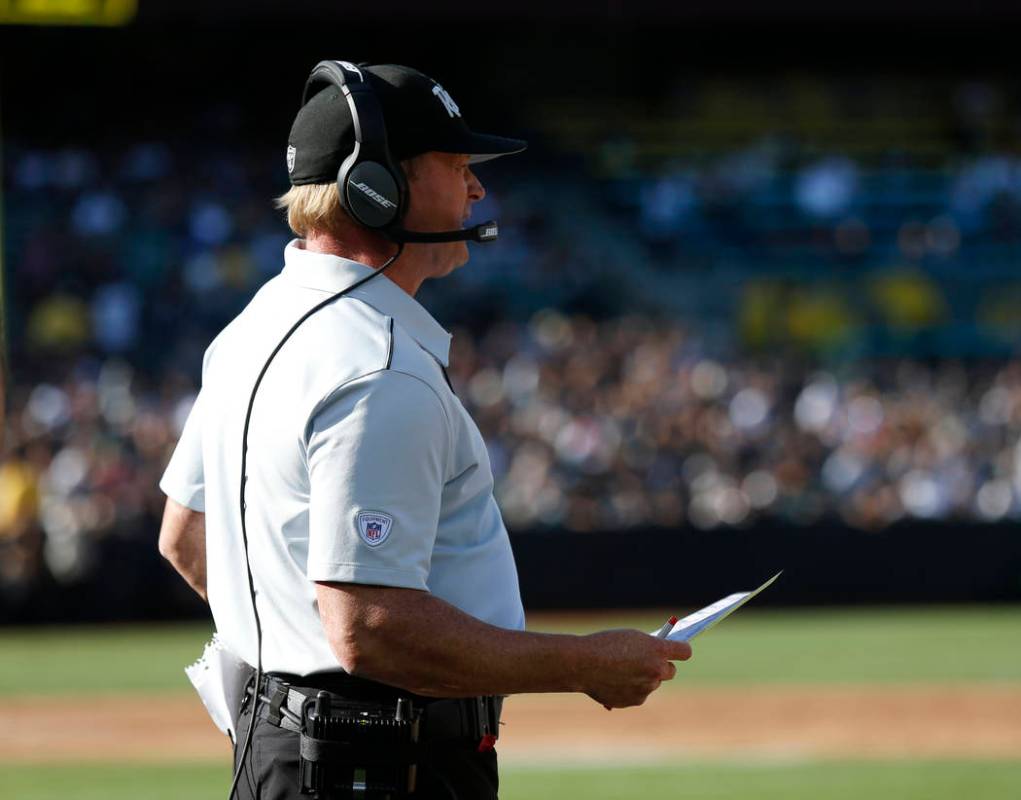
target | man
[{"x": 379, "y": 565}]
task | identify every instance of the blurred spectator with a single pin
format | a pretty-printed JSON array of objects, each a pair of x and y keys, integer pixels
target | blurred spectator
[
  {"x": 827, "y": 188},
  {"x": 19, "y": 509}
]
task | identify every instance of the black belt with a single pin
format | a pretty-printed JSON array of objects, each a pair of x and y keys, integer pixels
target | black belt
[{"x": 474, "y": 719}]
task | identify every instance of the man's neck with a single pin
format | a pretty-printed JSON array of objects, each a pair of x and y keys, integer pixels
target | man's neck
[{"x": 373, "y": 251}]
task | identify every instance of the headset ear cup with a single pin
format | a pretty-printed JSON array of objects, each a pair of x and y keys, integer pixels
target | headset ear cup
[
  {"x": 372, "y": 194},
  {"x": 400, "y": 182}
]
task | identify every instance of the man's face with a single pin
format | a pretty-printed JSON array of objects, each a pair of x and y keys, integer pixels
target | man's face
[{"x": 442, "y": 191}]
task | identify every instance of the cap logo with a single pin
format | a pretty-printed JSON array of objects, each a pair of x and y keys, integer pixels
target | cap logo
[
  {"x": 291, "y": 152},
  {"x": 374, "y": 527},
  {"x": 447, "y": 100}
]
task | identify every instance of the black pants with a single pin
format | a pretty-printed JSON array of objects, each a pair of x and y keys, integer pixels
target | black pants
[{"x": 457, "y": 772}]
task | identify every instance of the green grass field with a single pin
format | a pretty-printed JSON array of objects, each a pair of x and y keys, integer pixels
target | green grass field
[
  {"x": 818, "y": 781},
  {"x": 941, "y": 645},
  {"x": 938, "y": 646}
]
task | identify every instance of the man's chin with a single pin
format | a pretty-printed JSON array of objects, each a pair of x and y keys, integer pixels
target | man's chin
[
  {"x": 455, "y": 255},
  {"x": 459, "y": 256}
]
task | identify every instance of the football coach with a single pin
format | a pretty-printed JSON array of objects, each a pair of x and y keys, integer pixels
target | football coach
[{"x": 332, "y": 499}]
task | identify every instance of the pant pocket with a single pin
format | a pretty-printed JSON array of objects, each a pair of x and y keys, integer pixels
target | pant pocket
[
  {"x": 276, "y": 763},
  {"x": 246, "y": 789}
]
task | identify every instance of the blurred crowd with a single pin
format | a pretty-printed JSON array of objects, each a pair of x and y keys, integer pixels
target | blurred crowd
[
  {"x": 84, "y": 455},
  {"x": 764, "y": 333},
  {"x": 619, "y": 424},
  {"x": 627, "y": 423}
]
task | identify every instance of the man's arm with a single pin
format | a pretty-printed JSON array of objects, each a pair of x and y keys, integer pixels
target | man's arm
[
  {"x": 183, "y": 543},
  {"x": 413, "y": 640}
]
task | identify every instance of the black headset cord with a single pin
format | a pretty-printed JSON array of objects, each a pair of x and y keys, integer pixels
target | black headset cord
[{"x": 243, "y": 506}]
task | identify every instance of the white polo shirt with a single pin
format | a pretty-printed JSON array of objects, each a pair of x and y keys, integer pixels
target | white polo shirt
[{"x": 363, "y": 466}]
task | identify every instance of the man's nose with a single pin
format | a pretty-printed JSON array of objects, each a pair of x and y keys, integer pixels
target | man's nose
[{"x": 476, "y": 191}]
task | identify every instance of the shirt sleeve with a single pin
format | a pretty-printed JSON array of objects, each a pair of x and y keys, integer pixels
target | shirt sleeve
[
  {"x": 183, "y": 480},
  {"x": 377, "y": 459}
]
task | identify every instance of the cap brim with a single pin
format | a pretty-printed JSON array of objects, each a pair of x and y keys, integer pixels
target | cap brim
[
  {"x": 478, "y": 158},
  {"x": 485, "y": 147}
]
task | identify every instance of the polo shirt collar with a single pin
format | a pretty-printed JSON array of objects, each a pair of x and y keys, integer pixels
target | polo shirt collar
[{"x": 330, "y": 273}]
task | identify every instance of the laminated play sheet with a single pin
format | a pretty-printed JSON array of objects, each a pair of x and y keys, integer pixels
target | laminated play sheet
[{"x": 703, "y": 619}]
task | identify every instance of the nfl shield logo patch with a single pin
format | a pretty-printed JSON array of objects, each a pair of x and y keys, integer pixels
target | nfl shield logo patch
[{"x": 374, "y": 527}]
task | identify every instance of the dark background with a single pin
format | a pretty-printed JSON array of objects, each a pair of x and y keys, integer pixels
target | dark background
[{"x": 226, "y": 78}]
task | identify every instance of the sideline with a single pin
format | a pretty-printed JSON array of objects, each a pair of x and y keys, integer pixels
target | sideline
[{"x": 753, "y": 725}]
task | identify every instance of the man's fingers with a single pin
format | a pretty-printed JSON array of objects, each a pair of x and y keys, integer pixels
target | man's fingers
[
  {"x": 669, "y": 671},
  {"x": 677, "y": 651}
]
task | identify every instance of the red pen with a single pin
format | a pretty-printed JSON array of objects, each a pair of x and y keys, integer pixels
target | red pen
[{"x": 667, "y": 627}]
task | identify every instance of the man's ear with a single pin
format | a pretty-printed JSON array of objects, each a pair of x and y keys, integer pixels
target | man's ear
[{"x": 410, "y": 167}]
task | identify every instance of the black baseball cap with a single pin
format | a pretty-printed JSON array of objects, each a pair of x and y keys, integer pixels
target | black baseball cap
[{"x": 419, "y": 115}]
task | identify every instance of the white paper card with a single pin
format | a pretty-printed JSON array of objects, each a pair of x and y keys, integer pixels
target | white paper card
[
  {"x": 218, "y": 676},
  {"x": 703, "y": 619}
]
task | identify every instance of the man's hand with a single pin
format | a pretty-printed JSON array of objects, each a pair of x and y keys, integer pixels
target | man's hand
[
  {"x": 411, "y": 639},
  {"x": 629, "y": 665}
]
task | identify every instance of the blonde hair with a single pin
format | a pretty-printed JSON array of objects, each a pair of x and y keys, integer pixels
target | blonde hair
[
  {"x": 316, "y": 206},
  {"x": 313, "y": 207}
]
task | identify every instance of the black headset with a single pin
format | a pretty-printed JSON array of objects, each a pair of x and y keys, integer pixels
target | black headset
[{"x": 372, "y": 186}]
